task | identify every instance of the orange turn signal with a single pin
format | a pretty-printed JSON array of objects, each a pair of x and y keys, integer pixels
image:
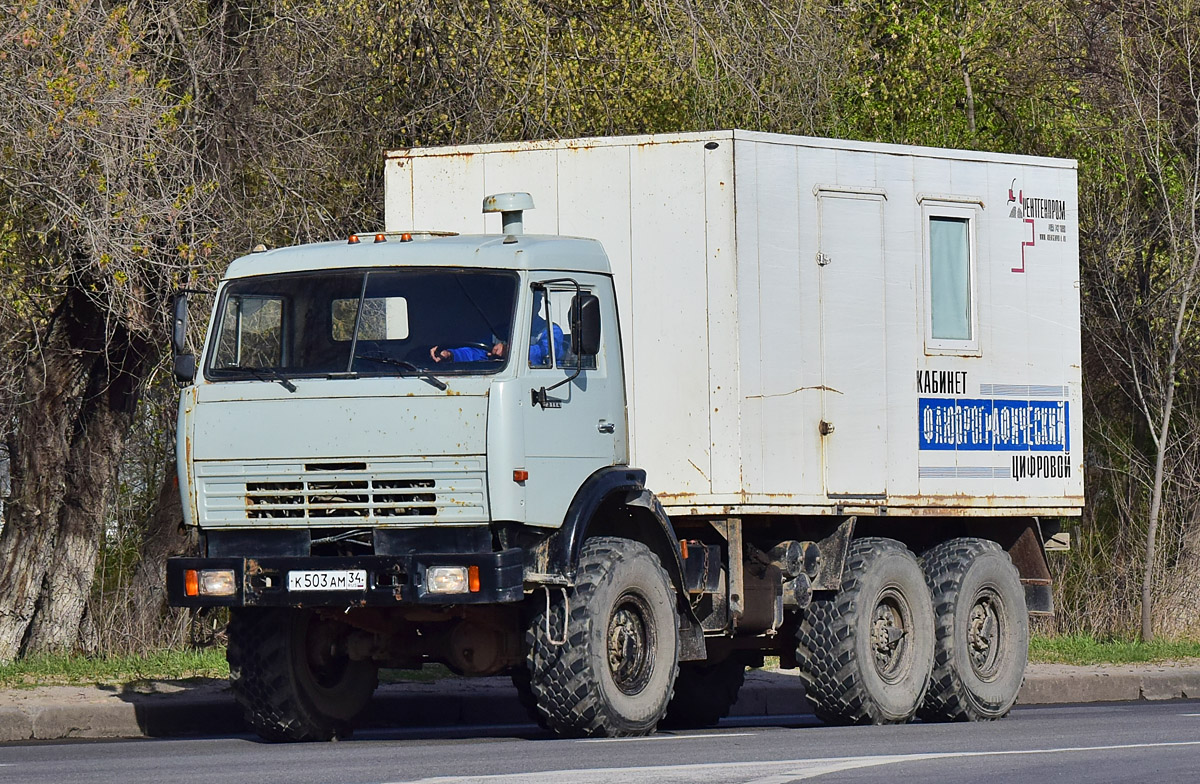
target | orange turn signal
[
  {"x": 191, "y": 582},
  {"x": 520, "y": 475},
  {"x": 473, "y": 579}
]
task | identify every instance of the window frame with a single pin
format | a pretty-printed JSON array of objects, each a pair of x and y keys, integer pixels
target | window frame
[{"x": 969, "y": 212}]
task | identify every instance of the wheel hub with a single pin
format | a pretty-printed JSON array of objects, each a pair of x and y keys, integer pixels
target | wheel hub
[
  {"x": 630, "y": 645},
  {"x": 983, "y": 635},
  {"x": 890, "y": 623}
]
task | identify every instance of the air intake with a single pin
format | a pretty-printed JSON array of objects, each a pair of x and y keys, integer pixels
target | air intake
[{"x": 510, "y": 207}]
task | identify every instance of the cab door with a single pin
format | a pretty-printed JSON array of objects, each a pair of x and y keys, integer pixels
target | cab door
[{"x": 578, "y": 426}]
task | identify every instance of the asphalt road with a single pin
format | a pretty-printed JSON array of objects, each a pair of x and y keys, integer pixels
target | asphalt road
[{"x": 1127, "y": 742}]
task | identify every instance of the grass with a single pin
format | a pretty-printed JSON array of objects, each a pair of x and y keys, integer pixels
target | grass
[
  {"x": 66, "y": 670},
  {"x": 1085, "y": 649},
  {"x": 63, "y": 670}
]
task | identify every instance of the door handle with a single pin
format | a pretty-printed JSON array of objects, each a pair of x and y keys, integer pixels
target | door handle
[{"x": 604, "y": 426}]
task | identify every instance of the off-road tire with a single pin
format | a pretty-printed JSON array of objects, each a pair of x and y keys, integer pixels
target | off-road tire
[
  {"x": 866, "y": 652},
  {"x": 613, "y": 675},
  {"x": 982, "y": 631},
  {"x": 704, "y": 693},
  {"x": 272, "y": 674}
]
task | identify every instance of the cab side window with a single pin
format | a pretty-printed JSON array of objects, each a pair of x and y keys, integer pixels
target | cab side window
[{"x": 550, "y": 340}]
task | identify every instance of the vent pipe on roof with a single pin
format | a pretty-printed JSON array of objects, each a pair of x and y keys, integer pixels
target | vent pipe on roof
[{"x": 510, "y": 207}]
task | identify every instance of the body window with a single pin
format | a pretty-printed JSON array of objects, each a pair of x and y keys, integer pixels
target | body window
[{"x": 950, "y": 278}]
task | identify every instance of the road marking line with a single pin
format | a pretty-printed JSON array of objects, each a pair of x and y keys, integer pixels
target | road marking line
[
  {"x": 670, "y": 737},
  {"x": 864, "y": 762},
  {"x": 789, "y": 770}
]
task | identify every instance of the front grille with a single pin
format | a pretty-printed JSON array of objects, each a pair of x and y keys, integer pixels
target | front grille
[
  {"x": 351, "y": 498},
  {"x": 386, "y": 492}
]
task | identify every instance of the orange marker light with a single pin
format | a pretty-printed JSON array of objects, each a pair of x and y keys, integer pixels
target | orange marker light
[
  {"x": 520, "y": 475},
  {"x": 406, "y": 237},
  {"x": 381, "y": 238},
  {"x": 473, "y": 579},
  {"x": 191, "y": 582},
  {"x": 353, "y": 240},
  {"x": 683, "y": 550}
]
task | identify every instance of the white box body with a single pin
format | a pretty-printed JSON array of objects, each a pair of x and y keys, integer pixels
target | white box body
[{"x": 771, "y": 287}]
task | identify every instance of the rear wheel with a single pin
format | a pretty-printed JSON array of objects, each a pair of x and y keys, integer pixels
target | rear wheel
[
  {"x": 982, "y": 631},
  {"x": 610, "y": 672},
  {"x": 288, "y": 671},
  {"x": 865, "y": 653}
]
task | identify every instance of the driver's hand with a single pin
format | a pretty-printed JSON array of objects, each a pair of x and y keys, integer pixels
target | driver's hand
[
  {"x": 498, "y": 350},
  {"x": 439, "y": 354}
]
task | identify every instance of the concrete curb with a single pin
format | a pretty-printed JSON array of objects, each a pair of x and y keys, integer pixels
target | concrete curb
[{"x": 208, "y": 708}]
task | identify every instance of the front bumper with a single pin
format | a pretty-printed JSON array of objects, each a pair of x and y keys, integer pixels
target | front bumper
[{"x": 391, "y": 580}]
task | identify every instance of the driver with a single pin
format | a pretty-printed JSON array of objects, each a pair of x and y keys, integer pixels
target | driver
[{"x": 539, "y": 343}]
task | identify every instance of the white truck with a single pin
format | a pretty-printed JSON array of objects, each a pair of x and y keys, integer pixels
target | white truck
[{"x": 797, "y": 397}]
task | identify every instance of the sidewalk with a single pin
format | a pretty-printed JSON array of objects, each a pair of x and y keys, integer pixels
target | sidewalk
[{"x": 206, "y": 707}]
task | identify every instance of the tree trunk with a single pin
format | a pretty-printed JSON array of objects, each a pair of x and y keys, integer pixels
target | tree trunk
[
  {"x": 165, "y": 537},
  {"x": 75, "y": 412}
]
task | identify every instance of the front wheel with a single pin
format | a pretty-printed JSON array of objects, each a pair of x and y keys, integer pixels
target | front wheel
[
  {"x": 982, "y": 631},
  {"x": 288, "y": 671},
  {"x": 866, "y": 652},
  {"x": 609, "y": 673}
]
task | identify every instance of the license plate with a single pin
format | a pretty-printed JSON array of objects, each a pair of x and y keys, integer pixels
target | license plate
[{"x": 328, "y": 580}]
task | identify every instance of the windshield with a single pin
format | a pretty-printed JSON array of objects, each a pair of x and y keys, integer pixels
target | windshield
[{"x": 363, "y": 322}]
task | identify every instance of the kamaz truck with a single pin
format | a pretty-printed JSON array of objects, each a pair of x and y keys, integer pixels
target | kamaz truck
[{"x": 664, "y": 406}]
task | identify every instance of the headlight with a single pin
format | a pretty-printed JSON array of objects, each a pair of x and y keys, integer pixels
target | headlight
[
  {"x": 217, "y": 582},
  {"x": 446, "y": 579}
]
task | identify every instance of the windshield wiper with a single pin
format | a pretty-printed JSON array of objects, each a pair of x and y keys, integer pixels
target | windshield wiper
[
  {"x": 424, "y": 375},
  {"x": 263, "y": 374}
]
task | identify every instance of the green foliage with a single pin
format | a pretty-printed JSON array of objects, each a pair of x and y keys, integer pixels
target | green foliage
[{"x": 982, "y": 74}]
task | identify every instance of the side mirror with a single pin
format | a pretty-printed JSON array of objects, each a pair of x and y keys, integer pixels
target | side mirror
[
  {"x": 185, "y": 368},
  {"x": 585, "y": 324},
  {"x": 179, "y": 314}
]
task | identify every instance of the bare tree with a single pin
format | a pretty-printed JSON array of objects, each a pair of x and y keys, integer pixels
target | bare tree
[
  {"x": 107, "y": 204},
  {"x": 1143, "y": 287}
]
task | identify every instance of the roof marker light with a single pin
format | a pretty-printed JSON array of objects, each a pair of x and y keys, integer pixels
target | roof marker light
[
  {"x": 353, "y": 240},
  {"x": 406, "y": 237},
  {"x": 381, "y": 238}
]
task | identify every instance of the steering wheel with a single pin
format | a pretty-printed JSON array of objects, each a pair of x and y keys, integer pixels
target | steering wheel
[{"x": 486, "y": 348}]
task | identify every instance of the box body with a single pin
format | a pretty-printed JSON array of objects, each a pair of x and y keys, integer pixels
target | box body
[{"x": 793, "y": 336}]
